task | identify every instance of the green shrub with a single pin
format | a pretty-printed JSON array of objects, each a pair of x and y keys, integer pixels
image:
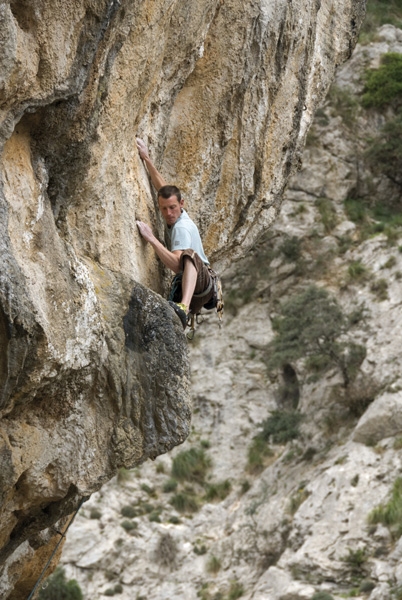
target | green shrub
[
  {"x": 237, "y": 297},
  {"x": 257, "y": 455},
  {"x": 236, "y": 590},
  {"x": 129, "y": 511},
  {"x": 344, "y": 104},
  {"x": 154, "y": 516},
  {"x": 357, "y": 271},
  {"x": 328, "y": 213},
  {"x": 281, "y": 427},
  {"x": 146, "y": 488},
  {"x": 381, "y": 217},
  {"x": 321, "y": 117},
  {"x": 291, "y": 248},
  {"x": 200, "y": 550},
  {"x": 58, "y": 588},
  {"x": 170, "y": 486},
  {"x": 246, "y": 485},
  {"x": 129, "y": 525},
  {"x": 213, "y": 564},
  {"x": 356, "y": 559},
  {"x": 95, "y": 513},
  {"x": 184, "y": 503},
  {"x": 117, "y": 589},
  {"x": 174, "y": 520},
  {"x": 217, "y": 491},
  {"x": 391, "y": 262},
  {"x": 309, "y": 327},
  {"x": 356, "y": 210},
  {"x": 123, "y": 475},
  {"x": 384, "y": 85},
  {"x": 355, "y": 480},
  {"x": 390, "y": 514},
  {"x": 380, "y": 12},
  {"x": 380, "y": 289},
  {"x": 322, "y": 596},
  {"x": 384, "y": 153},
  {"x": 191, "y": 465},
  {"x": 297, "y": 499},
  {"x": 366, "y": 586}
]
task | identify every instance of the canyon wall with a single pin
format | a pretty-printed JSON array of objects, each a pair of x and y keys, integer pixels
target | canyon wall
[{"x": 94, "y": 372}]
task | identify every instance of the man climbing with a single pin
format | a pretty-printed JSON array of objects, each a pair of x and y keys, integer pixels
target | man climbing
[{"x": 185, "y": 255}]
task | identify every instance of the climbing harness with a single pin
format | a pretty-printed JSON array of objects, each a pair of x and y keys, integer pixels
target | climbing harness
[
  {"x": 63, "y": 535},
  {"x": 216, "y": 301}
]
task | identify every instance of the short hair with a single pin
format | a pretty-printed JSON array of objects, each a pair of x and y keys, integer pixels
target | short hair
[{"x": 167, "y": 191}]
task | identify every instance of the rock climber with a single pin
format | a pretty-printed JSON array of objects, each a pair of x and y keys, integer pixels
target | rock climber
[{"x": 185, "y": 254}]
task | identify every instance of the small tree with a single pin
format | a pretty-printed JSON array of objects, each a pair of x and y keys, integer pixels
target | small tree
[
  {"x": 58, "y": 588},
  {"x": 311, "y": 326},
  {"x": 385, "y": 151},
  {"x": 384, "y": 85}
]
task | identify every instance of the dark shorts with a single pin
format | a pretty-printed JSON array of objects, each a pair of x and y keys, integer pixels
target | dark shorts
[{"x": 201, "y": 293}]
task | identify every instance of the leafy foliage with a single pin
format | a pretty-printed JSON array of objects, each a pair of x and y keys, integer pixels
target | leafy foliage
[
  {"x": 129, "y": 525},
  {"x": 344, "y": 103},
  {"x": 213, "y": 564},
  {"x": 281, "y": 427},
  {"x": 310, "y": 326},
  {"x": 328, "y": 213},
  {"x": 383, "y": 86},
  {"x": 297, "y": 499},
  {"x": 356, "y": 559},
  {"x": 384, "y": 153},
  {"x": 291, "y": 248},
  {"x": 217, "y": 491},
  {"x": 128, "y": 511},
  {"x": 191, "y": 465},
  {"x": 322, "y": 595},
  {"x": 58, "y": 588},
  {"x": 390, "y": 514},
  {"x": 258, "y": 453},
  {"x": 169, "y": 486},
  {"x": 380, "y": 12},
  {"x": 384, "y": 217},
  {"x": 236, "y": 590},
  {"x": 184, "y": 502}
]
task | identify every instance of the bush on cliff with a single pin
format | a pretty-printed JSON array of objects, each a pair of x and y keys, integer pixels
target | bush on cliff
[
  {"x": 312, "y": 325},
  {"x": 58, "y": 588},
  {"x": 384, "y": 85}
]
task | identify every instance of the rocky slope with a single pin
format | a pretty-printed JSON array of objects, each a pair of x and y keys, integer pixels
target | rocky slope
[
  {"x": 223, "y": 92},
  {"x": 301, "y": 525}
]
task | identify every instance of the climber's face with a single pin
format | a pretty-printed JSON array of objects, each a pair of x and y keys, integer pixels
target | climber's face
[{"x": 170, "y": 209}]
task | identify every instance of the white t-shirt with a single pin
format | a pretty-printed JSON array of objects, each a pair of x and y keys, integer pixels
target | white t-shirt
[{"x": 184, "y": 234}]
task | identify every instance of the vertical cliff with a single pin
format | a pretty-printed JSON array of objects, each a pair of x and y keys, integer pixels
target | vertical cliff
[{"x": 94, "y": 372}]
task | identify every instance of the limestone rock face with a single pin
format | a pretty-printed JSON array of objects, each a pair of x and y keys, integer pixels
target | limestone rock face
[
  {"x": 93, "y": 365},
  {"x": 302, "y": 525}
]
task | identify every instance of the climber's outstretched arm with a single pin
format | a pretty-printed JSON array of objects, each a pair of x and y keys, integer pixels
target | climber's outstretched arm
[
  {"x": 170, "y": 259},
  {"x": 156, "y": 177}
]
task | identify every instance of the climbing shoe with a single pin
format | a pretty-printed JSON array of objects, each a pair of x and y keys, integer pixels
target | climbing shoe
[{"x": 180, "y": 310}]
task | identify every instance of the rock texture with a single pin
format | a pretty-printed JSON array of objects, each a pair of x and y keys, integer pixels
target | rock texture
[
  {"x": 93, "y": 365},
  {"x": 301, "y": 526}
]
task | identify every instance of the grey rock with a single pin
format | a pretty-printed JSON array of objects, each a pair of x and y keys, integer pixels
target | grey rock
[{"x": 382, "y": 419}]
